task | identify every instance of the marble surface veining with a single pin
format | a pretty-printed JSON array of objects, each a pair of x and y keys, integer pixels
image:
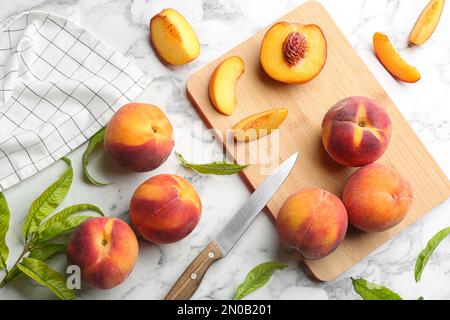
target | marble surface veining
[{"x": 221, "y": 25}]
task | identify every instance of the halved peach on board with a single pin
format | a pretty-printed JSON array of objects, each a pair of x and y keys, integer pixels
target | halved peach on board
[
  {"x": 293, "y": 53},
  {"x": 173, "y": 38},
  {"x": 259, "y": 125},
  {"x": 427, "y": 22},
  {"x": 392, "y": 61},
  {"x": 222, "y": 86}
]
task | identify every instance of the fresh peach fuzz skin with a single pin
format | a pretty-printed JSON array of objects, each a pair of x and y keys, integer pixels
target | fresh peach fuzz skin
[
  {"x": 105, "y": 250},
  {"x": 139, "y": 137},
  {"x": 313, "y": 221},
  {"x": 165, "y": 208},
  {"x": 377, "y": 198},
  {"x": 356, "y": 131}
]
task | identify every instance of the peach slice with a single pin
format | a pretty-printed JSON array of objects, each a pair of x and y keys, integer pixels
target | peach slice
[
  {"x": 222, "y": 86},
  {"x": 259, "y": 125},
  {"x": 427, "y": 22},
  {"x": 392, "y": 61},
  {"x": 173, "y": 38},
  {"x": 293, "y": 53}
]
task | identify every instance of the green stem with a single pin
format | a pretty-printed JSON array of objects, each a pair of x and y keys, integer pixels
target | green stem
[
  {"x": 24, "y": 252},
  {"x": 3, "y": 283}
]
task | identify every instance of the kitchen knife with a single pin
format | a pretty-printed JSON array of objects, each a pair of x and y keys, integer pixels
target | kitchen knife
[{"x": 191, "y": 278}]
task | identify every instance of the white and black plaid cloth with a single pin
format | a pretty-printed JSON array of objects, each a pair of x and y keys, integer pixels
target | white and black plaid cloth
[{"x": 59, "y": 84}]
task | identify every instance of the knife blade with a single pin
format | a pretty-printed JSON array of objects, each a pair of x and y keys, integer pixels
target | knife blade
[
  {"x": 242, "y": 219},
  {"x": 191, "y": 278}
]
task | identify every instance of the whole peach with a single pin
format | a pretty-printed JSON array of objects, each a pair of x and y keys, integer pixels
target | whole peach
[
  {"x": 356, "y": 131},
  {"x": 165, "y": 208},
  {"x": 313, "y": 221},
  {"x": 105, "y": 250},
  {"x": 377, "y": 198},
  {"x": 139, "y": 137}
]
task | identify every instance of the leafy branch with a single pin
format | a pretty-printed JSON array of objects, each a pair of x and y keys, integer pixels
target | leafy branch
[{"x": 41, "y": 227}]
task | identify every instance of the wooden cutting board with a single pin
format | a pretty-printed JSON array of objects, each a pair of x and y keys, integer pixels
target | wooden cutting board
[{"x": 344, "y": 74}]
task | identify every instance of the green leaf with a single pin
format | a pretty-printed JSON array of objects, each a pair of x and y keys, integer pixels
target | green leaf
[
  {"x": 4, "y": 225},
  {"x": 41, "y": 252},
  {"x": 59, "y": 227},
  {"x": 59, "y": 221},
  {"x": 420, "y": 298},
  {"x": 257, "y": 278},
  {"x": 45, "y": 251},
  {"x": 371, "y": 291},
  {"x": 63, "y": 214},
  {"x": 93, "y": 141},
  {"x": 219, "y": 168},
  {"x": 426, "y": 253},
  {"x": 46, "y": 276},
  {"x": 48, "y": 201}
]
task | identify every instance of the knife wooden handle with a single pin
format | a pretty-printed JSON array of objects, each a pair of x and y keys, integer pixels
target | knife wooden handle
[{"x": 191, "y": 278}]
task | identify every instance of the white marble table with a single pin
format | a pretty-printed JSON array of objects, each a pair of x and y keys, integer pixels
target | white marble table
[{"x": 221, "y": 25}]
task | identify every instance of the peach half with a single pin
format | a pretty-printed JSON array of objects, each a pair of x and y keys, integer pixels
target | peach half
[
  {"x": 259, "y": 125},
  {"x": 392, "y": 61},
  {"x": 377, "y": 198},
  {"x": 293, "y": 53},
  {"x": 165, "y": 208},
  {"x": 222, "y": 85},
  {"x": 356, "y": 131},
  {"x": 173, "y": 38},
  {"x": 105, "y": 250},
  {"x": 313, "y": 221},
  {"x": 139, "y": 137},
  {"x": 427, "y": 22}
]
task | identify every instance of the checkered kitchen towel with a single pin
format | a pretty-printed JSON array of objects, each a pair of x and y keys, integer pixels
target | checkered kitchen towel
[{"x": 59, "y": 84}]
